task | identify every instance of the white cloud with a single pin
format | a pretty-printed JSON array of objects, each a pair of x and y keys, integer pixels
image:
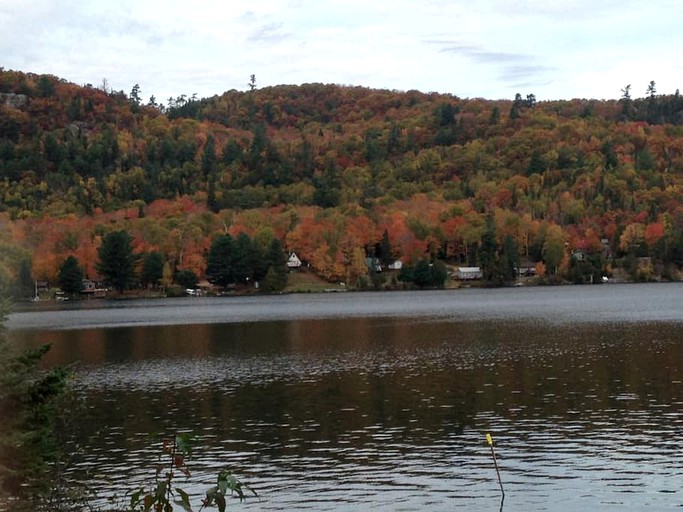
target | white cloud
[{"x": 490, "y": 48}]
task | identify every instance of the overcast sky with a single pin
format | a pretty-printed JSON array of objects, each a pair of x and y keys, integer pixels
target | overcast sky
[{"x": 476, "y": 48}]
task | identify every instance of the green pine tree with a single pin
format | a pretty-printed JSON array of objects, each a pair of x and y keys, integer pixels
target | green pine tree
[
  {"x": 488, "y": 250},
  {"x": 29, "y": 413},
  {"x": 276, "y": 277},
  {"x": 70, "y": 276},
  {"x": 152, "y": 269},
  {"x": 116, "y": 260},
  {"x": 219, "y": 261}
]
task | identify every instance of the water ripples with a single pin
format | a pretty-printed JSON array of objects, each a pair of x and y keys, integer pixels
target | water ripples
[
  {"x": 544, "y": 466},
  {"x": 595, "y": 459},
  {"x": 391, "y": 414}
]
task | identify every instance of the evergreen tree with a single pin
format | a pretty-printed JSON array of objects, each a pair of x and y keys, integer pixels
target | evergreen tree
[
  {"x": 259, "y": 258},
  {"x": 276, "y": 276},
  {"x": 211, "y": 201},
  {"x": 256, "y": 155},
  {"x": 445, "y": 113},
  {"x": 219, "y": 261},
  {"x": 232, "y": 152},
  {"x": 626, "y": 104},
  {"x": 135, "y": 99},
  {"x": 74, "y": 110},
  {"x": 394, "y": 140},
  {"x": 383, "y": 250},
  {"x": 117, "y": 261},
  {"x": 611, "y": 159},
  {"x": 187, "y": 279},
  {"x": 438, "y": 274},
  {"x": 422, "y": 275},
  {"x": 52, "y": 150},
  {"x": 586, "y": 270},
  {"x": 45, "y": 87},
  {"x": 29, "y": 413},
  {"x": 70, "y": 276},
  {"x": 494, "y": 118},
  {"x": 24, "y": 283},
  {"x": 209, "y": 157},
  {"x": 242, "y": 264},
  {"x": 517, "y": 105},
  {"x": 536, "y": 163},
  {"x": 208, "y": 166},
  {"x": 373, "y": 149},
  {"x": 271, "y": 282},
  {"x": 327, "y": 188},
  {"x": 509, "y": 260},
  {"x": 406, "y": 274},
  {"x": 488, "y": 250},
  {"x": 152, "y": 269}
]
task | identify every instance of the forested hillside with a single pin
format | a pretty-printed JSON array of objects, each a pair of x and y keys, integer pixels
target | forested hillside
[{"x": 337, "y": 174}]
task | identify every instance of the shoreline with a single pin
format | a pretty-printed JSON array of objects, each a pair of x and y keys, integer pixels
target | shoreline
[{"x": 546, "y": 304}]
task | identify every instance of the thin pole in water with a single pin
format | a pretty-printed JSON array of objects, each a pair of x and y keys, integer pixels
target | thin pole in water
[{"x": 489, "y": 440}]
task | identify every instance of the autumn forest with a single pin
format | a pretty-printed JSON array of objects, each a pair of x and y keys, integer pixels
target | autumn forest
[{"x": 574, "y": 189}]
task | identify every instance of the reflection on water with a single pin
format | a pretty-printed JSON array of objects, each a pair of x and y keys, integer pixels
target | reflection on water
[{"x": 390, "y": 412}]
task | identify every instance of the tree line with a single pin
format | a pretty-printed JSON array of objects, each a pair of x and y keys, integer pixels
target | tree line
[{"x": 230, "y": 261}]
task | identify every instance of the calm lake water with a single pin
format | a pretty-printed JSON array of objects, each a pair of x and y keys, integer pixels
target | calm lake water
[{"x": 349, "y": 401}]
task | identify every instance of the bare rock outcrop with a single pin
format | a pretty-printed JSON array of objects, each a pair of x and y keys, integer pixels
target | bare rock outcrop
[{"x": 13, "y": 100}]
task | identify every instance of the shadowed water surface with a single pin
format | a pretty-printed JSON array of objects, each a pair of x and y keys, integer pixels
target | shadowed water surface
[{"x": 358, "y": 401}]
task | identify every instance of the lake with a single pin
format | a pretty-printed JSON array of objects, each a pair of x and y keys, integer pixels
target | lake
[{"x": 352, "y": 401}]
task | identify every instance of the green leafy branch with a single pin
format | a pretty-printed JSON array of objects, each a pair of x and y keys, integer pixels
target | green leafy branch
[
  {"x": 166, "y": 494},
  {"x": 226, "y": 481}
]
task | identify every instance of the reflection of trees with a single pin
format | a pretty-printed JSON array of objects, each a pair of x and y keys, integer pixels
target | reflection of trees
[{"x": 288, "y": 386}]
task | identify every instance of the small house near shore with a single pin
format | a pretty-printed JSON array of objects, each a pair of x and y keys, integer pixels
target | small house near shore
[
  {"x": 373, "y": 265},
  {"x": 396, "y": 265},
  {"x": 293, "y": 261},
  {"x": 93, "y": 289},
  {"x": 469, "y": 273}
]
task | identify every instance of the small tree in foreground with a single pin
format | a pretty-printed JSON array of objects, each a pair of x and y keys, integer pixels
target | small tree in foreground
[
  {"x": 29, "y": 410},
  {"x": 165, "y": 492}
]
